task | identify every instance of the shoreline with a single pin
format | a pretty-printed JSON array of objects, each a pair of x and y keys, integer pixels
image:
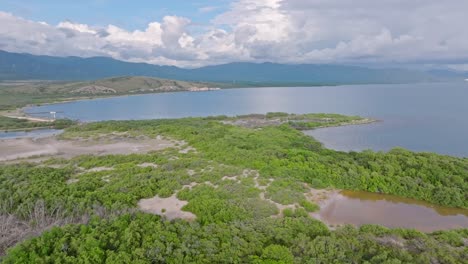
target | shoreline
[
  {"x": 20, "y": 113},
  {"x": 76, "y": 99},
  {"x": 25, "y": 129},
  {"x": 30, "y": 118},
  {"x": 24, "y": 115},
  {"x": 363, "y": 121}
]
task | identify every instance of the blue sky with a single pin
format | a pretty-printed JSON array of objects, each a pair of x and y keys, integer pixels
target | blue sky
[
  {"x": 207, "y": 32},
  {"x": 127, "y": 14}
]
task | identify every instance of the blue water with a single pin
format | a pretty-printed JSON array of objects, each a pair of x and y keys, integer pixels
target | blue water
[
  {"x": 421, "y": 117},
  {"x": 38, "y": 133}
]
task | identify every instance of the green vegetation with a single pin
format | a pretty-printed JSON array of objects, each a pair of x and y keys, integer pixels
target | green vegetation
[
  {"x": 230, "y": 182},
  {"x": 308, "y": 206},
  {"x": 8, "y": 124},
  {"x": 283, "y": 152},
  {"x": 142, "y": 238},
  {"x": 20, "y": 93},
  {"x": 311, "y": 121},
  {"x": 10, "y": 100},
  {"x": 286, "y": 191}
]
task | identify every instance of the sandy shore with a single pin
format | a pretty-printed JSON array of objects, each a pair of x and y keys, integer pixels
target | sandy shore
[
  {"x": 324, "y": 198},
  {"x": 14, "y": 149},
  {"x": 20, "y": 114}
]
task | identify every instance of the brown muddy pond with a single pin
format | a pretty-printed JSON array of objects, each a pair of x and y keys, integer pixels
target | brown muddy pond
[{"x": 358, "y": 208}]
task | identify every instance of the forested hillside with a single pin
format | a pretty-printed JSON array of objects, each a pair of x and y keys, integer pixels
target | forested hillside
[
  {"x": 17, "y": 94},
  {"x": 14, "y": 66}
]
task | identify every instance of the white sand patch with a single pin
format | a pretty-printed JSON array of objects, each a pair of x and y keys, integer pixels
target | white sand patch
[
  {"x": 190, "y": 186},
  {"x": 98, "y": 169},
  {"x": 280, "y": 207},
  {"x": 247, "y": 173},
  {"x": 148, "y": 165},
  {"x": 13, "y": 149},
  {"x": 106, "y": 178},
  {"x": 187, "y": 150},
  {"x": 232, "y": 178},
  {"x": 262, "y": 187},
  {"x": 71, "y": 181},
  {"x": 170, "y": 207},
  {"x": 55, "y": 166}
]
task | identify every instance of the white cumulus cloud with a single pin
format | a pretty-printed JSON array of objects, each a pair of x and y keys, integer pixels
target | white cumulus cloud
[{"x": 285, "y": 31}]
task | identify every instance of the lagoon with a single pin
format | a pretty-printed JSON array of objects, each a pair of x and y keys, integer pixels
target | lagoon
[
  {"x": 421, "y": 117},
  {"x": 360, "y": 208}
]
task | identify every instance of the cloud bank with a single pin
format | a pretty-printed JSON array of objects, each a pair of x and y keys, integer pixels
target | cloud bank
[{"x": 284, "y": 31}]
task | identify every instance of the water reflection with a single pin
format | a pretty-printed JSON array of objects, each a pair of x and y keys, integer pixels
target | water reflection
[{"x": 358, "y": 208}]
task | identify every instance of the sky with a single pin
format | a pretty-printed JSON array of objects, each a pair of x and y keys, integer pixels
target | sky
[{"x": 207, "y": 32}]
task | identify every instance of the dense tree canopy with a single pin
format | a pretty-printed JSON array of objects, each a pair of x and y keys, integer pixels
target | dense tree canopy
[
  {"x": 143, "y": 238},
  {"x": 282, "y": 151},
  {"x": 230, "y": 181}
]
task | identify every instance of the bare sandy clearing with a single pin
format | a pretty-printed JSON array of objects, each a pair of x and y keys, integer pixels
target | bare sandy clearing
[
  {"x": 98, "y": 169},
  {"x": 260, "y": 121},
  {"x": 19, "y": 114},
  {"x": 106, "y": 178},
  {"x": 71, "y": 181},
  {"x": 232, "y": 178},
  {"x": 253, "y": 122},
  {"x": 170, "y": 207},
  {"x": 147, "y": 165},
  {"x": 13, "y": 149},
  {"x": 187, "y": 150},
  {"x": 281, "y": 207},
  {"x": 189, "y": 186},
  {"x": 321, "y": 197},
  {"x": 324, "y": 198}
]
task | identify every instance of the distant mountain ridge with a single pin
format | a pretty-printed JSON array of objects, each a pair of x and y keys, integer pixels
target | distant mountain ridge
[{"x": 16, "y": 66}]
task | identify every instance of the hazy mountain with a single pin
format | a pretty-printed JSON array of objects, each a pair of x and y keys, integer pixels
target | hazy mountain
[{"x": 15, "y": 66}]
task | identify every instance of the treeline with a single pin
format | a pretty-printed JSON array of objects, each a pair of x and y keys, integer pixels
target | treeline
[
  {"x": 424, "y": 176},
  {"x": 143, "y": 238}
]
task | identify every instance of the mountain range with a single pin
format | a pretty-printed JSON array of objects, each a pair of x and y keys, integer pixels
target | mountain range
[{"x": 20, "y": 66}]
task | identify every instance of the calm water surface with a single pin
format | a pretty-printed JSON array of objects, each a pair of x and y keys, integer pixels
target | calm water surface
[
  {"x": 358, "y": 208},
  {"x": 38, "y": 133},
  {"x": 421, "y": 117}
]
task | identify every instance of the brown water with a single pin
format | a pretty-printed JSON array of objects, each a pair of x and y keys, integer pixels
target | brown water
[{"x": 358, "y": 208}]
